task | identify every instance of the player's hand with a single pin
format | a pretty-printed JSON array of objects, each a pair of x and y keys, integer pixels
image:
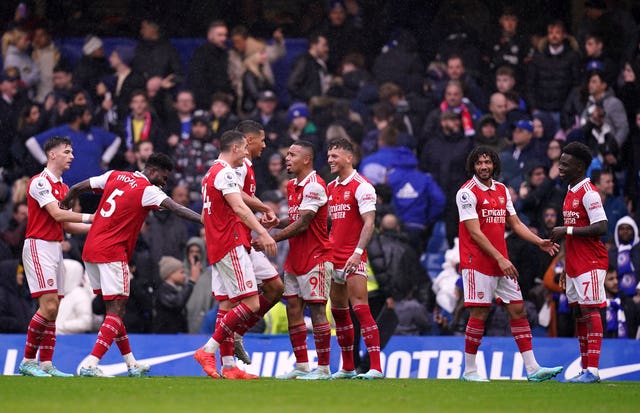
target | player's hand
[
  {"x": 352, "y": 263},
  {"x": 557, "y": 233},
  {"x": 562, "y": 280},
  {"x": 266, "y": 243},
  {"x": 549, "y": 247},
  {"x": 508, "y": 269},
  {"x": 269, "y": 219}
]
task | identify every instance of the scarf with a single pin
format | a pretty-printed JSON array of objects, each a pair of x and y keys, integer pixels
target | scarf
[
  {"x": 616, "y": 320},
  {"x": 144, "y": 133},
  {"x": 467, "y": 122},
  {"x": 626, "y": 273}
]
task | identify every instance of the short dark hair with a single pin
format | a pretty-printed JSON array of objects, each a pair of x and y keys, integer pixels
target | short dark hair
[
  {"x": 596, "y": 175},
  {"x": 159, "y": 160},
  {"x": 383, "y": 110},
  {"x": 74, "y": 112},
  {"x": 240, "y": 30},
  {"x": 580, "y": 151},
  {"x": 229, "y": 138},
  {"x": 307, "y": 145},
  {"x": 139, "y": 92},
  {"x": 479, "y": 151},
  {"x": 249, "y": 126},
  {"x": 506, "y": 71},
  {"x": 557, "y": 23},
  {"x": 314, "y": 38},
  {"x": 56, "y": 141},
  {"x": 222, "y": 97},
  {"x": 340, "y": 143}
]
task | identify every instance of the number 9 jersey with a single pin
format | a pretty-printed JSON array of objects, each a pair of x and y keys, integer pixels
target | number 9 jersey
[{"x": 126, "y": 200}]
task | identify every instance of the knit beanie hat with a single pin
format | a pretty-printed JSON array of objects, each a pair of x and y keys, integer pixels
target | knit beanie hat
[{"x": 168, "y": 265}]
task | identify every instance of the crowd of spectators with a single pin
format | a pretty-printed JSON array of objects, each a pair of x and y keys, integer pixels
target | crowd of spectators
[{"x": 413, "y": 119}]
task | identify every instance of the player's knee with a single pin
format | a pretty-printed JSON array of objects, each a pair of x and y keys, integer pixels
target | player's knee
[{"x": 49, "y": 309}]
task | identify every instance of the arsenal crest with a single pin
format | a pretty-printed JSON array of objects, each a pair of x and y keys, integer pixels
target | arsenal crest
[
  {"x": 249, "y": 284},
  {"x": 575, "y": 203},
  {"x": 347, "y": 195},
  {"x": 501, "y": 200},
  {"x": 50, "y": 282},
  {"x": 481, "y": 295}
]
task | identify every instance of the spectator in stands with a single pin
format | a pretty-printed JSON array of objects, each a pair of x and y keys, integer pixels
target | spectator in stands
[
  {"x": 376, "y": 166},
  {"x": 456, "y": 71},
  {"x": 92, "y": 66},
  {"x": 222, "y": 119},
  {"x": 179, "y": 122},
  {"x": 166, "y": 233},
  {"x": 399, "y": 61},
  {"x": 598, "y": 136},
  {"x": 75, "y": 315},
  {"x": 524, "y": 151},
  {"x": 200, "y": 301},
  {"x": 511, "y": 46},
  {"x": 9, "y": 110},
  {"x": 602, "y": 95},
  {"x": 342, "y": 35},
  {"x": 624, "y": 255},
  {"x": 417, "y": 199},
  {"x": 142, "y": 125},
  {"x": 275, "y": 124},
  {"x": 46, "y": 56},
  {"x": 30, "y": 122},
  {"x": 403, "y": 118},
  {"x": 240, "y": 39},
  {"x": 95, "y": 147},
  {"x": 16, "y": 305},
  {"x": 154, "y": 56},
  {"x": 614, "y": 206},
  {"x": 18, "y": 56},
  {"x": 498, "y": 110},
  {"x": 309, "y": 75},
  {"x": 454, "y": 102},
  {"x": 13, "y": 235},
  {"x": 194, "y": 156},
  {"x": 542, "y": 127},
  {"x": 413, "y": 317},
  {"x": 116, "y": 91},
  {"x": 444, "y": 287},
  {"x": 255, "y": 78},
  {"x": 537, "y": 190},
  {"x": 444, "y": 156},
  {"x": 486, "y": 133},
  {"x": 628, "y": 89},
  {"x": 596, "y": 54},
  {"x": 623, "y": 315},
  {"x": 208, "y": 68},
  {"x": 302, "y": 128},
  {"x": 57, "y": 101},
  {"x": 515, "y": 113},
  {"x": 171, "y": 298},
  {"x": 141, "y": 152},
  {"x": 553, "y": 72}
]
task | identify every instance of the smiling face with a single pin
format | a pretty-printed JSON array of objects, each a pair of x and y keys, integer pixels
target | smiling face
[
  {"x": 340, "y": 161},
  {"x": 570, "y": 169},
  {"x": 483, "y": 169}
]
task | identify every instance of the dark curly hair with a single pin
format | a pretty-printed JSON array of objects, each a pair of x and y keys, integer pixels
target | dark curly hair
[
  {"x": 479, "y": 151},
  {"x": 580, "y": 151}
]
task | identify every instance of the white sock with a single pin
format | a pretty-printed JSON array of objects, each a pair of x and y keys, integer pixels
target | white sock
[
  {"x": 26, "y": 360},
  {"x": 470, "y": 363},
  {"x": 92, "y": 361},
  {"x": 594, "y": 370},
  {"x": 130, "y": 360},
  {"x": 324, "y": 369},
  {"x": 530, "y": 363},
  {"x": 228, "y": 362},
  {"x": 302, "y": 366},
  {"x": 211, "y": 346},
  {"x": 46, "y": 365}
]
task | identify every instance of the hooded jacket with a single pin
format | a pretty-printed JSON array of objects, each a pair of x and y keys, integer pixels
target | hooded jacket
[
  {"x": 201, "y": 299},
  {"x": 627, "y": 280},
  {"x": 16, "y": 307}
]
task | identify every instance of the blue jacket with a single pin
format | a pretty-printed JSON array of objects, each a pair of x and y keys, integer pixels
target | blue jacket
[
  {"x": 375, "y": 166},
  {"x": 417, "y": 198}
]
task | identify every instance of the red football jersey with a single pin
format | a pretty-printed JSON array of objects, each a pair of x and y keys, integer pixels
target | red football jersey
[
  {"x": 491, "y": 206},
  {"x": 223, "y": 228},
  {"x": 348, "y": 200},
  {"x": 311, "y": 247},
  {"x": 43, "y": 189},
  {"x": 126, "y": 200},
  {"x": 583, "y": 207},
  {"x": 247, "y": 178}
]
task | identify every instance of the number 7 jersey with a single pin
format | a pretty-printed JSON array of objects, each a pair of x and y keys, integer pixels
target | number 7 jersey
[{"x": 126, "y": 200}]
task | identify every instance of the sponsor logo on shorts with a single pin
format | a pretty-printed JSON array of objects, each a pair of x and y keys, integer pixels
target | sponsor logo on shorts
[{"x": 575, "y": 203}]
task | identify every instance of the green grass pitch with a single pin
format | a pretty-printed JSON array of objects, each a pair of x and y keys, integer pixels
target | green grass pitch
[{"x": 201, "y": 394}]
